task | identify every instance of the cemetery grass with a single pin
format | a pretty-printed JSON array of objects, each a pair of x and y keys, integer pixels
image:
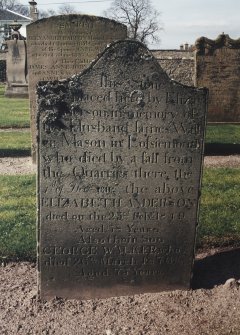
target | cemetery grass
[
  {"x": 220, "y": 208},
  {"x": 219, "y": 213},
  {"x": 14, "y": 113},
  {"x": 227, "y": 133},
  {"x": 15, "y": 143},
  {"x": 17, "y": 217}
]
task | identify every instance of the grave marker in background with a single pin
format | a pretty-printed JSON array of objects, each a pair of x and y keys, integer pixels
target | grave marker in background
[
  {"x": 120, "y": 159},
  {"x": 61, "y": 46},
  {"x": 218, "y": 68},
  {"x": 17, "y": 85}
]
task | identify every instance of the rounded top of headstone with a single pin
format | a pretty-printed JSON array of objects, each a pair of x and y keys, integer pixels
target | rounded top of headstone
[
  {"x": 126, "y": 53},
  {"x": 79, "y": 17}
]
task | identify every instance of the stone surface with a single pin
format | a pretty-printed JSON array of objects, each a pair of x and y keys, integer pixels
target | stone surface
[
  {"x": 119, "y": 162},
  {"x": 17, "y": 85},
  {"x": 179, "y": 65},
  {"x": 174, "y": 312},
  {"x": 61, "y": 46},
  {"x": 218, "y": 69}
]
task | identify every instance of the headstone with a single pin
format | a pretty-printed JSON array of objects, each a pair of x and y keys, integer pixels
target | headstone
[
  {"x": 61, "y": 46},
  {"x": 17, "y": 85},
  {"x": 218, "y": 68},
  {"x": 120, "y": 150}
]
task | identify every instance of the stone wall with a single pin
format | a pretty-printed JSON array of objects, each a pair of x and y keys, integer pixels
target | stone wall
[
  {"x": 179, "y": 64},
  {"x": 218, "y": 69}
]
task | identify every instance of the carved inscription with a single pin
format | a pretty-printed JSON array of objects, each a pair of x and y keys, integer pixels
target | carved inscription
[
  {"x": 119, "y": 175},
  {"x": 61, "y": 46}
]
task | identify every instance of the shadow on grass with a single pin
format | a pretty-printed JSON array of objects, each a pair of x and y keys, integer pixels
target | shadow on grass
[
  {"x": 221, "y": 149},
  {"x": 14, "y": 153},
  {"x": 216, "y": 269}
]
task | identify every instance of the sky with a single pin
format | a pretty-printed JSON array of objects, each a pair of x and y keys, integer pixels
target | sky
[{"x": 182, "y": 20}]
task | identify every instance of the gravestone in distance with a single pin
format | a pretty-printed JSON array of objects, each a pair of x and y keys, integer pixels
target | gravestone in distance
[
  {"x": 218, "y": 68},
  {"x": 120, "y": 151},
  {"x": 61, "y": 46},
  {"x": 17, "y": 85}
]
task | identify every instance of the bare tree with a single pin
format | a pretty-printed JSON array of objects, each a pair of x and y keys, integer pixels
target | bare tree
[
  {"x": 15, "y": 6},
  {"x": 46, "y": 13},
  {"x": 66, "y": 9},
  {"x": 141, "y": 19}
]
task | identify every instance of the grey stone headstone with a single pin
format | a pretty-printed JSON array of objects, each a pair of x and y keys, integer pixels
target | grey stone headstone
[
  {"x": 17, "y": 85},
  {"x": 61, "y": 46},
  {"x": 120, "y": 151},
  {"x": 218, "y": 68}
]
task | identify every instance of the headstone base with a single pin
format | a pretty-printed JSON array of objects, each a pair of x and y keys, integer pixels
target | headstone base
[{"x": 17, "y": 91}]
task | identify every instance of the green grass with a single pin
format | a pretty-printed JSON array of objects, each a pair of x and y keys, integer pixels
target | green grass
[
  {"x": 15, "y": 143},
  {"x": 14, "y": 113},
  {"x": 17, "y": 217},
  {"x": 220, "y": 208},
  {"x": 229, "y": 134},
  {"x": 219, "y": 213}
]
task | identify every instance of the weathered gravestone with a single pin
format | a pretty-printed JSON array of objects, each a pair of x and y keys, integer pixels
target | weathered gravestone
[
  {"x": 218, "y": 69},
  {"x": 61, "y": 46},
  {"x": 17, "y": 85},
  {"x": 120, "y": 149}
]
